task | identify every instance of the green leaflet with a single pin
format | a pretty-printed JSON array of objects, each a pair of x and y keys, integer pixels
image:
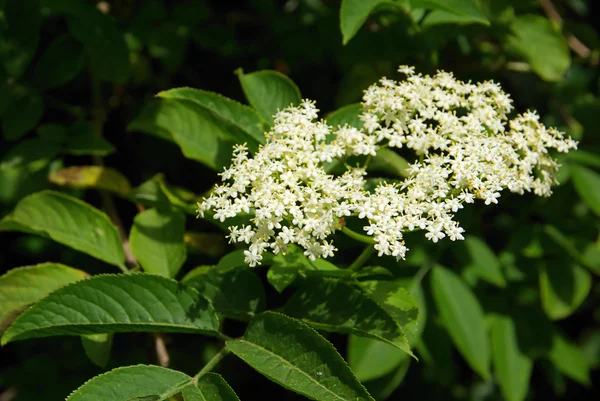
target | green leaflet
[
  {"x": 463, "y": 317},
  {"x": 484, "y": 262},
  {"x": 69, "y": 221},
  {"x": 563, "y": 287},
  {"x": 331, "y": 305},
  {"x": 156, "y": 240},
  {"x": 22, "y": 286},
  {"x": 298, "y": 358},
  {"x": 132, "y": 382},
  {"x": 117, "y": 303},
  {"x": 353, "y": 14},
  {"x": 210, "y": 387},
  {"x": 269, "y": 91},
  {"x": 587, "y": 184}
]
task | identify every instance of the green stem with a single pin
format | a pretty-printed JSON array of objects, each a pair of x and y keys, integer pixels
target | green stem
[
  {"x": 212, "y": 363},
  {"x": 421, "y": 273},
  {"x": 362, "y": 258},
  {"x": 359, "y": 237}
]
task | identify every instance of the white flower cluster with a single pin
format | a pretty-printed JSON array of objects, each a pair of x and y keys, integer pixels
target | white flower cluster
[{"x": 466, "y": 148}]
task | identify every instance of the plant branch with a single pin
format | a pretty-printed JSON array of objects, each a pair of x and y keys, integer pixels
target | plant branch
[
  {"x": 359, "y": 237},
  {"x": 211, "y": 364},
  {"x": 362, "y": 258}
]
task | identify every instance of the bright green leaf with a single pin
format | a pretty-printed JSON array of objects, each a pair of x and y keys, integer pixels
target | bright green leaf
[
  {"x": 237, "y": 293},
  {"x": 298, "y": 358},
  {"x": 587, "y": 184},
  {"x": 69, "y": 221},
  {"x": 346, "y": 115},
  {"x": 353, "y": 14},
  {"x": 130, "y": 383},
  {"x": 383, "y": 387},
  {"x": 484, "y": 262},
  {"x": 569, "y": 359},
  {"x": 97, "y": 347},
  {"x": 463, "y": 317},
  {"x": 210, "y": 387},
  {"x": 156, "y": 240},
  {"x": 236, "y": 113},
  {"x": 511, "y": 366},
  {"x": 59, "y": 64},
  {"x": 23, "y": 286},
  {"x": 563, "y": 287},
  {"x": 285, "y": 268},
  {"x": 372, "y": 359},
  {"x": 540, "y": 44},
  {"x": 97, "y": 177},
  {"x": 269, "y": 91},
  {"x": 116, "y": 303},
  {"x": 453, "y": 11},
  {"x": 332, "y": 305}
]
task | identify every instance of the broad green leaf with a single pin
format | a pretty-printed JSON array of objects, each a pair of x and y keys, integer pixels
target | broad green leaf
[
  {"x": 372, "y": 359},
  {"x": 22, "y": 115},
  {"x": 353, "y": 14},
  {"x": 88, "y": 144},
  {"x": 59, "y": 64},
  {"x": 346, "y": 115},
  {"x": 210, "y": 387},
  {"x": 139, "y": 382},
  {"x": 23, "y": 286},
  {"x": 156, "y": 240},
  {"x": 116, "y": 303},
  {"x": 544, "y": 47},
  {"x": 69, "y": 221},
  {"x": 104, "y": 44},
  {"x": 388, "y": 161},
  {"x": 587, "y": 184},
  {"x": 236, "y": 113},
  {"x": 331, "y": 305},
  {"x": 96, "y": 177},
  {"x": 398, "y": 302},
  {"x": 269, "y": 91},
  {"x": 568, "y": 359},
  {"x": 563, "y": 287},
  {"x": 156, "y": 193},
  {"x": 237, "y": 293},
  {"x": 285, "y": 268},
  {"x": 464, "y": 11},
  {"x": 484, "y": 262},
  {"x": 298, "y": 358},
  {"x": 382, "y": 388},
  {"x": 31, "y": 154},
  {"x": 586, "y": 158},
  {"x": 463, "y": 317},
  {"x": 201, "y": 134},
  {"x": 511, "y": 366},
  {"x": 97, "y": 347},
  {"x": 588, "y": 258}
]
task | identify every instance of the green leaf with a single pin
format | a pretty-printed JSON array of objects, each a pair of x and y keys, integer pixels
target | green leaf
[
  {"x": 269, "y": 91},
  {"x": 587, "y": 184},
  {"x": 569, "y": 359},
  {"x": 463, "y": 317},
  {"x": 346, "y": 115},
  {"x": 285, "y": 268},
  {"x": 388, "y": 161},
  {"x": 298, "y": 358},
  {"x": 237, "y": 293},
  {"x": 116, "y": 303},
  {"x": 104, "y": 44},
  {"x": 31, "y": 154},
  {"x": 545, "y": 48},
  {"x": 59, "y": 64},
  {"x": 94, "y": 145},
  {"x": 201, "y": 134},
  {"x": 399, "y": 303},
  {"x": 69, "y": 221},
  {"x": 372, "y": 359},
  {"x": 589, "y": 258},
  {"x": 132, "y": 382},
  {"x": 211, "y": 244},
  {"x": 582, "y": 157},
  {"x": 563, "y": 287},
  {"x": 353, "y": 14},
  {"x": 511, "y": 366},
  {"x": 331, "y": 305},
  {"x": 97, "y": 177},
  {"x": 210, "y": 387},
  {"x": 383, "y": 387},
  {"x": 236, "y": 113},
  {"x": 22, "y": 115},
  {"x": 454, "y": 11},
  {"x": 484, "y": 262},
  {"x": 19, "y": 42},
  {"x": 97, "y": 347},
  {"x": 23, "y": 286},
  {"x": 156, "y": 193},
  {"x": 156, "y": 240}
]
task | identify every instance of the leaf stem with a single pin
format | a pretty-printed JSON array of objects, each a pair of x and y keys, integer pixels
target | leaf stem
[
  {"x": 421, "y": 273},
  {"x": 362, "y": 258},
  {"x": 212, "y": 363},
  {"x": 359, "y": 237}
]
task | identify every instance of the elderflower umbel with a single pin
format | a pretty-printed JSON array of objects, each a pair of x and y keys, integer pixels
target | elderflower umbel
[{"x": 466, "y": 148}]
